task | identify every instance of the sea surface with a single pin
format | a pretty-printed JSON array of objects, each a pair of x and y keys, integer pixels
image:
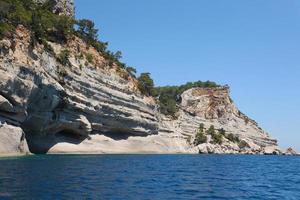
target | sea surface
[{"x": 150, "y": 177}]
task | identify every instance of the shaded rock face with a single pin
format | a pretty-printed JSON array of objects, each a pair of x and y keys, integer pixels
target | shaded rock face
[{"x": 62, "y": 7}]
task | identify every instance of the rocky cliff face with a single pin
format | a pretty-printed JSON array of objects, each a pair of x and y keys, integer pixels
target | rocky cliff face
[
  {"x": 87, "y": 105},
  {"x": 213, "y": 106},
  {"x": 45, "y": 98}
]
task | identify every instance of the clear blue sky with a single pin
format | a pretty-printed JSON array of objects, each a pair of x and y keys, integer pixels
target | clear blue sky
[{"x": 254, "y": 46}]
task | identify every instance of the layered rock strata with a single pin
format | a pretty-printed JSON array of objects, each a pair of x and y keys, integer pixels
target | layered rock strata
[
  {"x": 45, "y": 98},
  {"x": 214, "y": 107}
]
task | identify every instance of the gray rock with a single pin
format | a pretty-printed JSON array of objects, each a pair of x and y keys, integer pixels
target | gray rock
[
  {"x": 271, "y": 150},
  {"x": 12, "y": 140},
  {"x": 290, "y": 151},
  {"x": 5, "y": 105}
]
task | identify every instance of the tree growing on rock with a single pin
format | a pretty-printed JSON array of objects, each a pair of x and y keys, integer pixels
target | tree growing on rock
[
  {"x": 222, "y": 132},
  {"x": 86, "y": 29},
  {"x": 200, "y": 137},
  {"x": 131, "y": 71},
  {"x": 217, "y": 138},
  {"x": 233, "y": 138},
  {"x": 211, "y": 130},
  {"x": 146, "y": 84},
  {"x": 167, "y": 105},
  {"x": 63, "y": 57}
]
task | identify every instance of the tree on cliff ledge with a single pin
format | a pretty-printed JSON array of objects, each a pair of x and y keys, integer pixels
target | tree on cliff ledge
[{"x": 146, "y": 84}]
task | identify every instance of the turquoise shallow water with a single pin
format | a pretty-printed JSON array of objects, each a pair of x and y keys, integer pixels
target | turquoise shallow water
[{"x": 150, "y": 177}]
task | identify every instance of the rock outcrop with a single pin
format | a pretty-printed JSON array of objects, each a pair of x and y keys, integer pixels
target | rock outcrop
[
  {"x": 214, "y": 107},
  {"x": 12, "y": 140},
  {"x": 291, "y": 152}
]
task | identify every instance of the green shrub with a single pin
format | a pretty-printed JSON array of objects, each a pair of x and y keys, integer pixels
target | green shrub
[
  {"x": 233, "y": 138},
  {"x": 200, "y": 137},
  {"x": 242, "y": 144},
  {"x": 89, "y": 58},
  {"x": 131, "y": 71},
  {"x": 145, "y": 84},
  {"x": 4, "y": 9},
  {"x": 229, "y": 136},
  {"x": 217, "y": 138},
  {"x": 63, "y": 28},
  {"x": 18, "y": 13},
  {"x": 211, "y": 130},
  {"x": 169, "y": 96},
  {"x": 222, "y": 132},
  {"x": 86, "y": 30},
  {"x": 123, "y": 73},
  {"x": 167, "y": 105},
  {"x": 39, "y": 19},
  {"x": 5, "y": 29},
  {"x": 48, "y": 47},
  {"x": 63, "y": 57},
  {"x": 201, "y": 127}
]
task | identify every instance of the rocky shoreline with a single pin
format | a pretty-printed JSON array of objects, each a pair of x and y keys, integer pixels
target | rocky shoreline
[{"x": 12, "y": 155}]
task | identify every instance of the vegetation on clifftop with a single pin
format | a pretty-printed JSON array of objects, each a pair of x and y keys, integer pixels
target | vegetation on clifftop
[
  {"x": 169, "y": 96},
  {"x": 47, "y": 26},
  {"x": 39, "y": 19},
  {"x": 146, "y": 84}
]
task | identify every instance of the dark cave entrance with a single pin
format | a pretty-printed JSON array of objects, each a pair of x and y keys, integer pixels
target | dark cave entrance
[{"x": 41, "y": 144}]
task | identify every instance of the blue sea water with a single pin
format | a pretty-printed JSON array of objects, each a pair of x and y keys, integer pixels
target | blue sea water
[{"x": 150, "y": 177}]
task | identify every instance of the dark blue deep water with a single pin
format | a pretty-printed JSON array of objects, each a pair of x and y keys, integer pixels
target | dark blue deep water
[{"x": 150, "y": 177}]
